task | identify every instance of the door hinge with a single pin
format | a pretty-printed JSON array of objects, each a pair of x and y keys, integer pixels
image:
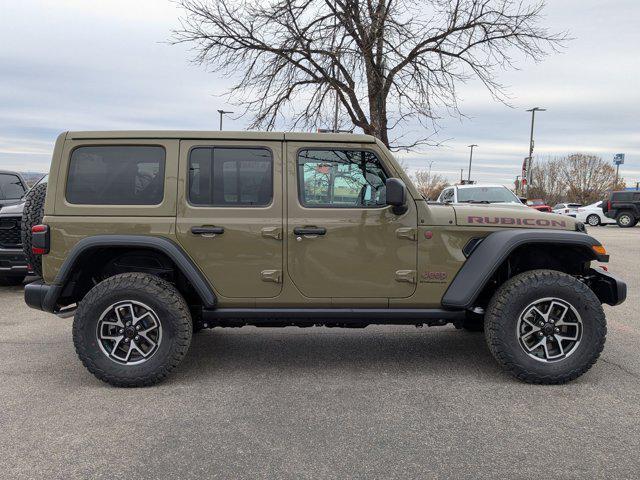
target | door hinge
[
  {"x": 406, "y": 232},
  {"x": 274, "y": 276},
  {"x": 272, "y": 232},
  {"x": 407, "y": 276}
]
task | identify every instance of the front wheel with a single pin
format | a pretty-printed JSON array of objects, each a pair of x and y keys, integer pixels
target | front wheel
[
  {"x": 132, "y": 330},
  {"x": 545, "y": 326}
]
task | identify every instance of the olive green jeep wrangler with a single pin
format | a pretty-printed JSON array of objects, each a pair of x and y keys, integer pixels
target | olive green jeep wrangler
[{"x": 148, "y": 237}]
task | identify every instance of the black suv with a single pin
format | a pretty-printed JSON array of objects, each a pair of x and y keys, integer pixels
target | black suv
[
  {"x": 624, "y": 207},
  {"x": 13, "y": 265}
]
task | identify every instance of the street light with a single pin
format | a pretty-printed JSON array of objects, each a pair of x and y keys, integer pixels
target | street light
[
  {"x": 533, "y": 119},
  {"x": 222, "y": 112},
  {"x": 470, "y": 159}
]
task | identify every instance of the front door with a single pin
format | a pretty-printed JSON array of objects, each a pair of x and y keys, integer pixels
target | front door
[
  {"x": 230, "y": 214},
  {"x": 343, "y": 240}
]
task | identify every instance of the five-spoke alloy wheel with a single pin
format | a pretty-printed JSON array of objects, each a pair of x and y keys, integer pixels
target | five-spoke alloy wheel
[
  {"x": 129, "y": 332},
  {"x": 549, "y": 329},
  {"x": 132, "y": 329},
  {"x": 545, "y": 326}
]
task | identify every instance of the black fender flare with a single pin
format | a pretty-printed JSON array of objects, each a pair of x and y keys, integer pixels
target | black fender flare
[
  {"x": 494, "y": 249},
  {"x": 159, "y": 244}
]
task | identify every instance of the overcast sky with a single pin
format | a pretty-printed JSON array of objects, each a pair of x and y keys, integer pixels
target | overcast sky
[{"x": 99, "y": 65}]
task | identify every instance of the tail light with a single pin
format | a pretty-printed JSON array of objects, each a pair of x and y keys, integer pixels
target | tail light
[
  {"x": 608, "y": 204},
  {"x": 40, "y": 239}
]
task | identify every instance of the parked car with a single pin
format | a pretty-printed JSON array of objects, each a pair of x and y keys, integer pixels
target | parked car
[
  {"x": 479, "y": 194},
  {"x": 593, "y": 215},
  {"x": 570, "y": 209},
  {"x": 539, "y": 204},
  {"x": 15, "y": 265},
  {"x": 12, "y": 188},
  {"x": 624, "y": 207}
]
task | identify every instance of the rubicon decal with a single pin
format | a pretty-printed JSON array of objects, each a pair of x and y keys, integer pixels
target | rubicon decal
[{"x": 529, "y": 222}]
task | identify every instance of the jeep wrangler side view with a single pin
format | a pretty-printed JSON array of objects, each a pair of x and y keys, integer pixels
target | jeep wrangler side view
[{"x": 149, "y": 237}]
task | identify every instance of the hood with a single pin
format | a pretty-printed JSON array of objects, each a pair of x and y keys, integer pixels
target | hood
[
  {"x": 511, "y": 217},
  {"x": 12, "y": 209}
]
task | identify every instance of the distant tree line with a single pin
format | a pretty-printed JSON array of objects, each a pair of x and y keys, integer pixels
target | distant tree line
[{"x": 579, "y": 178}]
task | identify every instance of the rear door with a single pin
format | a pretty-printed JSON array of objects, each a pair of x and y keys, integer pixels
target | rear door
[
  {"x": 230, "y": 214},
  {"x": 343, "y": 240}
]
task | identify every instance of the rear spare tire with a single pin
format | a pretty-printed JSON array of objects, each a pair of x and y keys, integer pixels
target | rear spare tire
[
  {"x": 32, "y": 214},
  {"x": 544, "y": 326}
]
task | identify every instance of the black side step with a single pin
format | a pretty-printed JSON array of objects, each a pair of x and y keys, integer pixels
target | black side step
[{"x": 329, "y": 316}]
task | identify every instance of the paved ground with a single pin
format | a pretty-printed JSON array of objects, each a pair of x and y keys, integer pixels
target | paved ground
[{"x": 385, "y": 402}]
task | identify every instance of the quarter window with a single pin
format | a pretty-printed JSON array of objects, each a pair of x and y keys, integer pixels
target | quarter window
[
  {"x": 230, "y": 177},
  {"x": 341, "y": 178},
  {"x": 116, "y": 175}
]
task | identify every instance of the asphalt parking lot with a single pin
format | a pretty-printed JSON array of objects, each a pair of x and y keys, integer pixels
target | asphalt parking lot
[{"x": 384, "y": 402}]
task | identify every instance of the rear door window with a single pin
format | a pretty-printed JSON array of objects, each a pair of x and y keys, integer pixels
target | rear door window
[
  {"x": 230, "y": 177},
  {"x": 116, "y": 175},
  {"x": 11, "y": 187}
]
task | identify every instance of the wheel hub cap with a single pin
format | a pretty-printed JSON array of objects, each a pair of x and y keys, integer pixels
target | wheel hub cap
[
  {"x": 549, "y": 329},
  {"x": 129, "y": 332}
]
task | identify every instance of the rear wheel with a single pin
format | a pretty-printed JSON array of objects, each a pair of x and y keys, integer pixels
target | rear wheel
[
  {"x": 545, "y": 326},
  {"x": 132, "y": 330},
  {"x": 32, "y": 214},
  {"x": 593, "y": 220},
  {"x": 626, "y": 220},
  {"x": 11, "y": 281}
]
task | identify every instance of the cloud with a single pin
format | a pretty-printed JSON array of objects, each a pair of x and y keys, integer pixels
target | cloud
[{"x": 85, "y": 65}]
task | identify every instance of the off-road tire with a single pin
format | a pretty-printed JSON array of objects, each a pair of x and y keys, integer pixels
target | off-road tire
[
  {"x": 32, "y": 214},
  {"x": 11, "y": 281},
  {"x": 173, "y": 314},
  {"x": 593, "y": 220},
  {"x": 509, "y": 302},
  {"x": 626, "y": 220}
]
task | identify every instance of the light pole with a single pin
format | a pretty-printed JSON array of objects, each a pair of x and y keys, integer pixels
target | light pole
[
  {"x": 533, "y": 120},
  {"x": 470, "y": 159},
  {"x": 222, "y": 112}
]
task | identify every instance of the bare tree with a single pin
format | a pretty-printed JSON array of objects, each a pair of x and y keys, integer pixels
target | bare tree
[
  {"x": 548, "y": 182},
  {"x": 588, "y": 177},
  {"x": 579, "y": 178},
  {"x": 386, "y": 61},
  {"x": 429, "y": 184}
]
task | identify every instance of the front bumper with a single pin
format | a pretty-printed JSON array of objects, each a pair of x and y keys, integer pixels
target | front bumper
[
  {"x": 607, "y": 287},
  {"x": 13, "y": 262},
  {"x": 42, "y": 296}
]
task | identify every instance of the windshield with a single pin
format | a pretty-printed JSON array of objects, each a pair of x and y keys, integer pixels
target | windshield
[
  {"x": 487, "y": 195},
  {"x": 11, "y": 187}
]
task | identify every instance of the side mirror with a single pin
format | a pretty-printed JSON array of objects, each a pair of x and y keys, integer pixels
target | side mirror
[{"x": 396, "y": 193}]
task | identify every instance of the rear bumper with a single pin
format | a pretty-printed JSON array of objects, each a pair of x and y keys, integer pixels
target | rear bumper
[
  {"x": 13, "y": 262},
  {"x": 42, "y": 296},
  {"x": 607, "y": 287}
]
